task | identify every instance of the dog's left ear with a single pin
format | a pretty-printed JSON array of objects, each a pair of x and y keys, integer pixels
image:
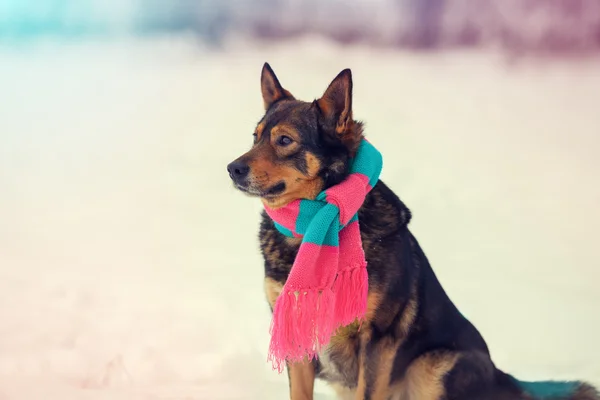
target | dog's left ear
[{"x": 336, "y": 102}]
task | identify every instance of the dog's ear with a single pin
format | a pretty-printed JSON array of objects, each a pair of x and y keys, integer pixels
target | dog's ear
[
  {"x": 336, "y": 102},
  {"x": 271, "y": 88}
]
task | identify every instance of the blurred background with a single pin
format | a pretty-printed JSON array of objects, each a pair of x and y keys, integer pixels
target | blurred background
[
  {"x": 513, "y": 25},
  {"x": 129, "y": 266}
]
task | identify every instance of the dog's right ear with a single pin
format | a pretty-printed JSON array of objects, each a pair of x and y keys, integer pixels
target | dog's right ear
[
  {"x": 336, "y": 102},
  {"x": 271, "y": 88}
]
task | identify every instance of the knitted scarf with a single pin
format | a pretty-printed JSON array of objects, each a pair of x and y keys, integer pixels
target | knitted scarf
[{"x": 328, "y": 284}]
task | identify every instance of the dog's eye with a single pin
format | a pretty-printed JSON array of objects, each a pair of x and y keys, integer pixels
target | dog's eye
[
  {"x": 284, "y": 140},
  {"x": 255, "y": 136}
]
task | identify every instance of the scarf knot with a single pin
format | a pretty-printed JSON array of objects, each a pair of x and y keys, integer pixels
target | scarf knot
[{"x": 328, "y": 284}]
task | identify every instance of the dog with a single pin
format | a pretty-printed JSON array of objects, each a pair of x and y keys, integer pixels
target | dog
[{"x": 413, "y": 343}]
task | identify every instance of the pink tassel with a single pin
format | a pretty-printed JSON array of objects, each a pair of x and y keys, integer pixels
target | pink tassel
[
  {"x": 302, "y": 324},
  {"x": 325, "y": 320},
  {"x": 351, "y": 288}
]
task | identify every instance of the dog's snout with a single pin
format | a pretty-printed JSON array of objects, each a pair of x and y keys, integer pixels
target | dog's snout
[{"x": 238, "y": 170}]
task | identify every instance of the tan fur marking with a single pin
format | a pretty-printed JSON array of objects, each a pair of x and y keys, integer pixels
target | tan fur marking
[
  {"x": 325, "y": 106},
  {"x": 294, "y": 241},
  {"x": 272, "y": 290},
  {"x": 385, "y": 363},
  {"x": 313, "y": 165},
  {"x": 285, "y": 129},
  {"x": 424, "y": 377},
  {"x": 264, "y": 173},
  {"x": 302, "y": 380},
  {"x": 343, "y": 334},
  {"x": 261, "y": 167},
  {"x": 274, "y": 203},
  {"x": 342, "y": 127},
  {"x": 306, "y": 189},
  {"x": 302, "y": 189},
  {"x": 408, "y": 315},
  {"x": 373, "y": 301},
  {"x": 259, "y": 130},
  {"x": 365, "y": 336}
]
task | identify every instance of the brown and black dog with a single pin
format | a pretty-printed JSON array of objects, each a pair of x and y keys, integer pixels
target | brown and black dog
[{"x": 414, "y": 344}]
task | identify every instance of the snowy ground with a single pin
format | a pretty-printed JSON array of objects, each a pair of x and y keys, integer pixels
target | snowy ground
[{"x": 129, "y": 267}]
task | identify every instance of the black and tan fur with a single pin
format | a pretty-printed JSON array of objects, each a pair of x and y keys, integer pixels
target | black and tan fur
[{"x": 414, "y": 344}]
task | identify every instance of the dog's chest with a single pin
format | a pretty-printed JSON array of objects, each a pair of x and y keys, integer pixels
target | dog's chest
[{"x": 338, "y": 362}]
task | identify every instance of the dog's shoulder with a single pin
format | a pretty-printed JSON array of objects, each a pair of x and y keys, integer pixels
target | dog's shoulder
[{"x": 383, "y": 213}]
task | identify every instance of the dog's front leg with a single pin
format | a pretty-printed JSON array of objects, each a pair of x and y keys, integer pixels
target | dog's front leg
[
  {"x": 301, "y": 374},
  {"x": 302, "y": 380}
]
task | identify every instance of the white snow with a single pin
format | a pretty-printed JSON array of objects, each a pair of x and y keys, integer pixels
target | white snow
[{"x": 129, "y": 266}]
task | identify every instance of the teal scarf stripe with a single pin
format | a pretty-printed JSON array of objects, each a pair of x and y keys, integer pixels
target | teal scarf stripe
[
  {"x": 324, "y": 228},
  {"x": 308, "y": 209},
  {"x": 283, "y": 229},
  {"x": 548, "y": 389},
  {"x": 368, "y": 162}
]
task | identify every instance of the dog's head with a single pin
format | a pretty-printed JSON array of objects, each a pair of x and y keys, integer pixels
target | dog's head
[{"x": 300, "y": 148}]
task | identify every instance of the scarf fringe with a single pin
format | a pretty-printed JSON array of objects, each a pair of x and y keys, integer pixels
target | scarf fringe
[
  {"x": 352, "y": 288},
  {"x": 303, "y": 322}
]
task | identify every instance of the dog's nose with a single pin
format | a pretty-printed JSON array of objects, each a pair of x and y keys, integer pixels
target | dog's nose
[{"x": 238, "y": 170}]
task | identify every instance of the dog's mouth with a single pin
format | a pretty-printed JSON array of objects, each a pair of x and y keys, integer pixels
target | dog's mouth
[{"x": 269, "y": 193}]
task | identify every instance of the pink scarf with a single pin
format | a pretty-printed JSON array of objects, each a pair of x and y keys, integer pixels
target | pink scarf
[{"x": 328, "y": 284}]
